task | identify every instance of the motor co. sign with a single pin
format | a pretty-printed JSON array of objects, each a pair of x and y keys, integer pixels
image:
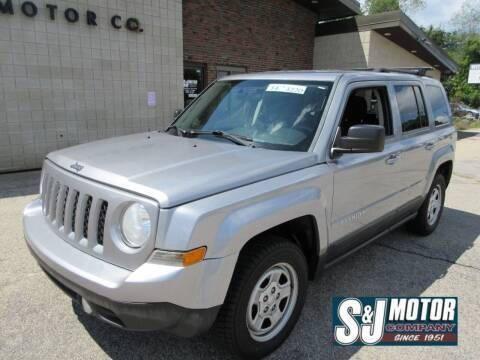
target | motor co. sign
[{"x": 29, "y": 9}]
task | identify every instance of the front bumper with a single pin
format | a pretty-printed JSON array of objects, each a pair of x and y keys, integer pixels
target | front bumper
[
  {"x": 137, "y": 316},
  {"x": 183, "y": 301}
]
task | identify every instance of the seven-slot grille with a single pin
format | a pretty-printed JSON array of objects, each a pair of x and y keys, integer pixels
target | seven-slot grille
[
  {"x": 72, "y": 212},
  {"x": 86, "y": 214}
]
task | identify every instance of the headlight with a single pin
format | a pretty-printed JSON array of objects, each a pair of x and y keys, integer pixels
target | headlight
[{"x": 136, "y": 226}]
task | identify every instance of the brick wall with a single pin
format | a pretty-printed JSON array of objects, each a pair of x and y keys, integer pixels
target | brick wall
[
  {"x": 259, "y": 35},
  {"x": 64, "y": 83}
]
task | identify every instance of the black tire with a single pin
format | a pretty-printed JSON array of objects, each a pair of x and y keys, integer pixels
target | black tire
[
  {"x": 254, "y": 262},
  {"x": 421, "y": 225}
]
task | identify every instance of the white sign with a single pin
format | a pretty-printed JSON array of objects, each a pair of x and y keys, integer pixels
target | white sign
[
  {"x": 151, "y": 98},
  {"x": 287, "y": 88},
  {"x": 474, "y": 74}
]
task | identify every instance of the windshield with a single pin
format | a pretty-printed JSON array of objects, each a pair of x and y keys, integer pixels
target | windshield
[{"x": 281, "y": 114}]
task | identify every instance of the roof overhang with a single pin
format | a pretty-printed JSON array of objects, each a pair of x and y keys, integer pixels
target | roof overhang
[
  {"x": 398, "y": 28},
  {"x": 332, "y": 9}
]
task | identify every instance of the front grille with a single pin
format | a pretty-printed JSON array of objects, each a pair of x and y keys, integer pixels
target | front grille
[
  {"x": 86, "y": 214},
  {"x": 86, "y": 217},
  {"x": 65, "y": 204},
  {"x": 73, "y": 212},
  {"x": 101, "y": 222}
]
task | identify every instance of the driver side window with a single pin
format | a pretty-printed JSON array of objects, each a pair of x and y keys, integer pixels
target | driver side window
[{"x": 367, "y": 106}]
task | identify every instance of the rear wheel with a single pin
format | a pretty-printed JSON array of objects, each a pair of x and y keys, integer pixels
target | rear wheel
[
  {"x": 265, "y": 298},
  {"x": 431, "y": 210}
]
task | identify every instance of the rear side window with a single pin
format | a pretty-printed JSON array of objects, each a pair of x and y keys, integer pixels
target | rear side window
[
  {"x": 441, "y": 114},
  {"x": 412, "y": 107}
]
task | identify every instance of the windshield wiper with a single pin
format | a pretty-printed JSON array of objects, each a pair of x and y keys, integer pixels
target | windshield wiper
[{"x": 237, "y": 139}]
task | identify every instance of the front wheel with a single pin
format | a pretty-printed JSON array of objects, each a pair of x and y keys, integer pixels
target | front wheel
[
  {"x": 431, "y": 210},
  {"x": 265, "y": 298}
]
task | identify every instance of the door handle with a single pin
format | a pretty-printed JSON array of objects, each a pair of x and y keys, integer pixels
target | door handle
[
  {"x": 429, "y": 145},
  {"x": 392, "y": 159}
]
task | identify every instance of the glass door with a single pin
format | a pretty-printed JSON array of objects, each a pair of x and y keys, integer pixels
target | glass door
[{"x": 193, "y": 81}]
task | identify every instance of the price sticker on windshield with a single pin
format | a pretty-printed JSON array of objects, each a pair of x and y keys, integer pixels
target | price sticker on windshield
[{"x": 287, "y": 88}]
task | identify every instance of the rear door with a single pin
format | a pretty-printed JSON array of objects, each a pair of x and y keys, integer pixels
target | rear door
[{"x": 416, "y": 137}]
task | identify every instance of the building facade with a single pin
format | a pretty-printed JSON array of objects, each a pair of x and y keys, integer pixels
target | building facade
[
  {"x": 229, "y": 37},
  {"x": 365, "y": 49},
  {"x": 77, "y": 71},
  {"x": 66, "y": 81},
  {"x": 247, "y": 35},
  {"x": 388, "y": 40}
]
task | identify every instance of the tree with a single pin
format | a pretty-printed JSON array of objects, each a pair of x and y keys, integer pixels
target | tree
[
  {"x": 450, "y": 41},
  {"x": 467, "y": 20},
  {"x": 463, "y": 45},
  {"x": 379, "y": 6},
  {"x": 457, "y": 85}
]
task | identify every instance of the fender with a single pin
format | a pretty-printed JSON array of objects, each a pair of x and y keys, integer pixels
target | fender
[
  {"x": 441, "y": 156},
  {"x": 226, "y": 222}
]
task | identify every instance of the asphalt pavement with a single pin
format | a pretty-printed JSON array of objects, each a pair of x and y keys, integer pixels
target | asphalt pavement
[{"x": 37, "y": 321}]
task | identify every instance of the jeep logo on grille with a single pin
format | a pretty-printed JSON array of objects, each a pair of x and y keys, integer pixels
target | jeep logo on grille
[{"x": 77, "y": 167}]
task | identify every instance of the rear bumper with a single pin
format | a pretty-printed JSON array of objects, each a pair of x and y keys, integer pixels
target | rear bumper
[{"x": 136, "y": 316}]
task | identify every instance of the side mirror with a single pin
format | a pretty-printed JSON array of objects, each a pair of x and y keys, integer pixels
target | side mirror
[
  {"x": 176, "y": 113},
  {"x": 361, "y": 139}
]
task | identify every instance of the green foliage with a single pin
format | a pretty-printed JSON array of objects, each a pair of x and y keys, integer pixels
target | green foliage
[
  {"x": 379, "y": 6},
  {"x": 464, "y": 48},
  {"x": 457, "y": 85},
  {"x": 448, "y": 41},
  {"x": 462, "y": 44}
]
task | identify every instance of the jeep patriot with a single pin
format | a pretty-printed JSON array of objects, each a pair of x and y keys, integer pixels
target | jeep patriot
[{"x": 260, "y": 183}]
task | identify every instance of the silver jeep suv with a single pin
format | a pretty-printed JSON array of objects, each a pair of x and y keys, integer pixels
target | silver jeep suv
[{"x": 259, "y": 184}]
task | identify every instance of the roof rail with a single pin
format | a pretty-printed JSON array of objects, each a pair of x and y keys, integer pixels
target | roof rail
[{"x": 419, "y": 71}]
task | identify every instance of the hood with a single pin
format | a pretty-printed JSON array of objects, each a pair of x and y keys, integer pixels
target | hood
[{"x": 175, "y": 170}]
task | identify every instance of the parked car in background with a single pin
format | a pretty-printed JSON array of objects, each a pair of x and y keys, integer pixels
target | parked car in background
[
  {"x": 261, "y": 182},
  {"x": 462, "y": 110}
]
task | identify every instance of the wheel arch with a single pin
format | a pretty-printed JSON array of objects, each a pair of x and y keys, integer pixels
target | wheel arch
[
  {"x": 302, "y": 231},
  {"x": 442, "y": 161},
  {"x": 446, "y": 169}
]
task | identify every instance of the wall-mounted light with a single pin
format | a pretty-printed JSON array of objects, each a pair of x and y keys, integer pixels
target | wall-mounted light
[
  {"x": 413, "y": 51},
  {"x": 387, "y": 34}
]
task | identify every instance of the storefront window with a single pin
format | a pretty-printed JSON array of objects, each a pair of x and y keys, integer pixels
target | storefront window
[{"x": 193, "y": 81}]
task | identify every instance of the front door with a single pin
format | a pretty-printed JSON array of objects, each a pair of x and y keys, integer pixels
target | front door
[{"x": 367, "y": 187}]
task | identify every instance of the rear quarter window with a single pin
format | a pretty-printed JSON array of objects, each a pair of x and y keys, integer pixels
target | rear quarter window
[{"x": 437, "y": 99}]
